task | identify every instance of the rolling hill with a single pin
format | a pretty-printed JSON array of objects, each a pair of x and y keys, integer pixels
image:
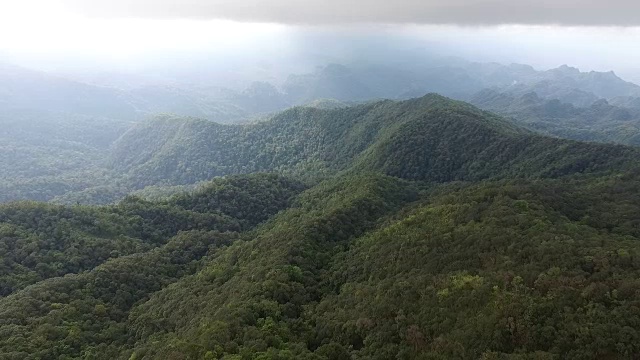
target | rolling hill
[
  {"x": 431, "y": 139},
  {"x": 601, "y": 120},
  {"x": 417, "y": 229},
  {"x": 359, "y": 266}
]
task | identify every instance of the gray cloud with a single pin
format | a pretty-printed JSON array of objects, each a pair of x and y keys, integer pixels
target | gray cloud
[{"x": 460, "y": 12}]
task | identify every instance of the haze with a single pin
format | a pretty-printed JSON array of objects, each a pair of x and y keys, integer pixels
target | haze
[
  {"x": 70, "y": 37},
  {"x": 319, "y": 179}
]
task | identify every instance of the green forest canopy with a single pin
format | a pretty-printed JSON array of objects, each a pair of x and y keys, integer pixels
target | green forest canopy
[{"x": 425, "y": 229}]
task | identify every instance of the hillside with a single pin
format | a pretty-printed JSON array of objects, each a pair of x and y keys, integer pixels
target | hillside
[
  {"x": 363, "y": 266},
  {"x": 456, "y": 78},
  {"x": 72, "y": 159},
  {"x": 45, "y": 154},
  {"x": 43, "y": 241},
  {"x": 601, "y": 120},
  {"x": 414, "y": 229},
  {"x": 431, "y": 139},
  {"x": 485, "y": 271}
]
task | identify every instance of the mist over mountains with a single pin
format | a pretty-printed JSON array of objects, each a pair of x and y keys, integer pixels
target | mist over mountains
[
  {"x": 352, "y": 199},
  {"x": 68, "y": 131},
  {"x": 361, "y": 81}
]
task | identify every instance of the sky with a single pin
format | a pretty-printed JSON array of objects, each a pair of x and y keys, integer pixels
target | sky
[
  {"x": 322, "y": 12},
  {"x": 133, "y": 34}
]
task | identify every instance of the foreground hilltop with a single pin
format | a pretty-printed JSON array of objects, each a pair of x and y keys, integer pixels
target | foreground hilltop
[{"x": 359, "y": 266}]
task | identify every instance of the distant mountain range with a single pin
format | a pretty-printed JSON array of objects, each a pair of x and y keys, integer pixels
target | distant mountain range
[
  {"x": 600, "y": 121},
  {"x": 26, "y": 89},
  {"x": 22, "y": 89}
]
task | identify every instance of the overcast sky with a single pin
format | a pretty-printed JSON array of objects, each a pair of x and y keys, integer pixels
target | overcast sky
[
  {"x": 589, "y": 34},
  {"x": 462, "y": 12}
]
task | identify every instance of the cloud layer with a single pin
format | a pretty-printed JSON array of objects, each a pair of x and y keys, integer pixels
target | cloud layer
[{"x": 319, "y": 12}]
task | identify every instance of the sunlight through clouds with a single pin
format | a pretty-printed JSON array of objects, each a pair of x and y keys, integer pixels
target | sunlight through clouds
[{"x": 51, "y": 29}]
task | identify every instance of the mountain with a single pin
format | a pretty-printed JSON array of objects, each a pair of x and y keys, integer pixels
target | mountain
[
  {"x": 564, "y": 83},
  {"x": 416, "y": 229},
  {"x": 359, "y": 266},
  {"x": 493, "y": 270},
  {"x": 601, "y": 121},
  {"x": 602, "y": 84},
  {"x": 459, "y": 79},
  {"x": 22, "y": 88},
  {"x": 63, "y": 240},
  {"x": 431, "y": 138}
]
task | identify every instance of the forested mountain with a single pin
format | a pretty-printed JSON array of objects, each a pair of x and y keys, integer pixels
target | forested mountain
[
  {"x": 359, "y": 266},
  {"x": 424, "y": 228},
  {"x": 430, "y": 139},
  {"x": 43, "y": 241},
  {"x": 498, "y": 270},
  {"x": 328, "y": 180},
  {"x": 45, "y": 154},
  {"x": 457, "y": 78},
  {"x": 26, "y": 90},
  {"x": 601, "y": 121}
]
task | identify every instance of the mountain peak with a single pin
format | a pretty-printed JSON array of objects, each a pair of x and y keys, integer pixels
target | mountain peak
[
  {"x": 335, "y": 70},
  {"x": 604, "y": 75},
  {"x": 567, "y": 70}
]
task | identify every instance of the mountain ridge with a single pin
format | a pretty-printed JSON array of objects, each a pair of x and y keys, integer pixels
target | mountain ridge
[
  {"x": 366, "y": 136},
  {"x": 424, "y": 228}
]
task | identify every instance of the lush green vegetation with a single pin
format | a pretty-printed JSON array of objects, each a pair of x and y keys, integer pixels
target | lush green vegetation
[
  {"x": 45, "y": 154},
  {"x": 423, "y": 229},
  {"x": 543, "y": 269},
  {"x": 599, "y": 121},
  {"x": 432, "y": 138},
  {"x": 489, "y": 270},
  {"x": 58, "y": 137},
  {"x": 364, "y": 267},
  {"x": 41, "y": 241},
  {"x": 70, "y": 148}
]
